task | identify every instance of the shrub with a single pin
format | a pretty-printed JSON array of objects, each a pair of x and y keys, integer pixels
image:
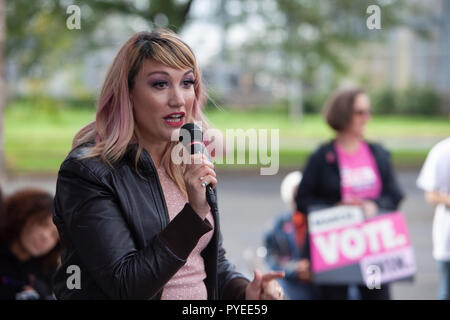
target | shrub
[
  {"x": 411, "y": 101},
  {"x": 384, "y": 102}
]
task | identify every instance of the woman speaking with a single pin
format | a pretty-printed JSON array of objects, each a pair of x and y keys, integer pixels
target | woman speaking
[{"x": 135, "y": 223}]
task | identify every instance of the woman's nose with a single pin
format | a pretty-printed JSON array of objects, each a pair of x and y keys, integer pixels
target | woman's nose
[{"x": 176, "y": 98}]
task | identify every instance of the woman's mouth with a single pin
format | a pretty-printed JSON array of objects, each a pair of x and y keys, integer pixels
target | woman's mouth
[{"x": 175, "y": 119}]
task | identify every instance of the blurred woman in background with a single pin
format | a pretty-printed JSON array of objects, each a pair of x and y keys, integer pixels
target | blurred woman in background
[
  {"x": 349, "y": 171},
  {"x": 29, "y": 246}
]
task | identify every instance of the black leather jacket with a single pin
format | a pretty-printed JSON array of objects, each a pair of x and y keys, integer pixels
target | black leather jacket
[{"x": 114, "y": 224}]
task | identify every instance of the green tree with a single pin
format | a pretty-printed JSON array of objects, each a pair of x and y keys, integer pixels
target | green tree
[
  {"x": 301, "y": 36},
  {"x": 38, "y": 36},
  {"x": 34, "y": 33}
]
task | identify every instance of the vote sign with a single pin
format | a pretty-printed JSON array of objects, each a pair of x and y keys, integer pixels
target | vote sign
[{"x": 347, "y": 248}]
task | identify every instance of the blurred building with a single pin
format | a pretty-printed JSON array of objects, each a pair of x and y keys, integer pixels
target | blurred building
[
  {"x": 408, "y": 58},
  {"x": 400, "y": 59}
]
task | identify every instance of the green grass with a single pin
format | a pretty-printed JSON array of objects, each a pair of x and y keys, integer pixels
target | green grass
[
  {"x": 37, "y": 140},
  {"x": 314, "y": 127}
]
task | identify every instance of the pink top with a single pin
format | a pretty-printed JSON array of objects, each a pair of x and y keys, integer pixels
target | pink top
[
  {"x": 187, "y": 283},
  {"x": 359, "y": 173}
]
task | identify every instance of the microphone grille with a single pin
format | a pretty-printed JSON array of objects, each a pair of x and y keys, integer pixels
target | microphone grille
[{"x": 189, "y": 133}]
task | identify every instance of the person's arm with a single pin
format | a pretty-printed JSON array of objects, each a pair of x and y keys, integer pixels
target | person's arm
[
  {"x": 232, "y": 284},
  {"x": 434, "y": 176},
  {"x": 94, "y": 222},
  {"x": 391, "y": 194},
  {"x": 309, "y": 193},
  {"x": 436, "y": 198}
]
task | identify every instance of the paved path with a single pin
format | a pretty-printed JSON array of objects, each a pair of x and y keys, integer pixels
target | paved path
[{"x": 248, "y": 203}]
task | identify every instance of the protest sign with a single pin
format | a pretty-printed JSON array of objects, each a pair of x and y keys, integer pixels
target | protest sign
[{"x": 347, "y": 248}]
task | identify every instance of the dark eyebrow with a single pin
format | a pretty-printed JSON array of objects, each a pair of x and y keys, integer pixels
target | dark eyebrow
[{"x": 165, "y": 73}]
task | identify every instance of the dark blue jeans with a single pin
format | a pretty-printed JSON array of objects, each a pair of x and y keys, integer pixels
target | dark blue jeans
[{"x": 444, "y": 280}]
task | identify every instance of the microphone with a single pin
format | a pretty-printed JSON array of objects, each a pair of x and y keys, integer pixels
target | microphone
[{"x": 191, "y": 136}]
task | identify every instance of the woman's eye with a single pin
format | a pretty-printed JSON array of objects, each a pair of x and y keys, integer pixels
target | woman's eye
[
  {"x": 160, "y": 84},
  {"x": 188, "y": 83}
]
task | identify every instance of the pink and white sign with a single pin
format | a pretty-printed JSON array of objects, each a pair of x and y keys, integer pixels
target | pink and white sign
[{"x": 341, "y": 237}]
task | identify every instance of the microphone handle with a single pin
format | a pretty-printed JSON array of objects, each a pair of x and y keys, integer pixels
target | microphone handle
[
  {"x": 211, "y": 198},
  {"x": 210, "y": 195}
]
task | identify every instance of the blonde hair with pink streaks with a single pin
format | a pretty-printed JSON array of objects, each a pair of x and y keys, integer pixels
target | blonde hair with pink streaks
[{"x": 114, "y": 127}]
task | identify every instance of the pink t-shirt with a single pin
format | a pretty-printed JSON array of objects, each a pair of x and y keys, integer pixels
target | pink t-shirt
[
  {"x": 187, "y": 283},
  {"x": 359, "y": 173}
]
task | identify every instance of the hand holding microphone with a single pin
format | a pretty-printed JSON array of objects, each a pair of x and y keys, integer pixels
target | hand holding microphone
[
  {"x": 196, "y": 178},
  {"x": 199, "y": 176}
]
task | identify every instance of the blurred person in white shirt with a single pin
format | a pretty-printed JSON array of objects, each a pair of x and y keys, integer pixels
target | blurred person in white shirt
[{"x": 434, "y": 179}]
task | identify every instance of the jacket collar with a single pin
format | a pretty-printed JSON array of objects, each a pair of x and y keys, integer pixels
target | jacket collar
[
  {"x": 330, "y": 155},
  {"x": 145, "y": 163}
]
